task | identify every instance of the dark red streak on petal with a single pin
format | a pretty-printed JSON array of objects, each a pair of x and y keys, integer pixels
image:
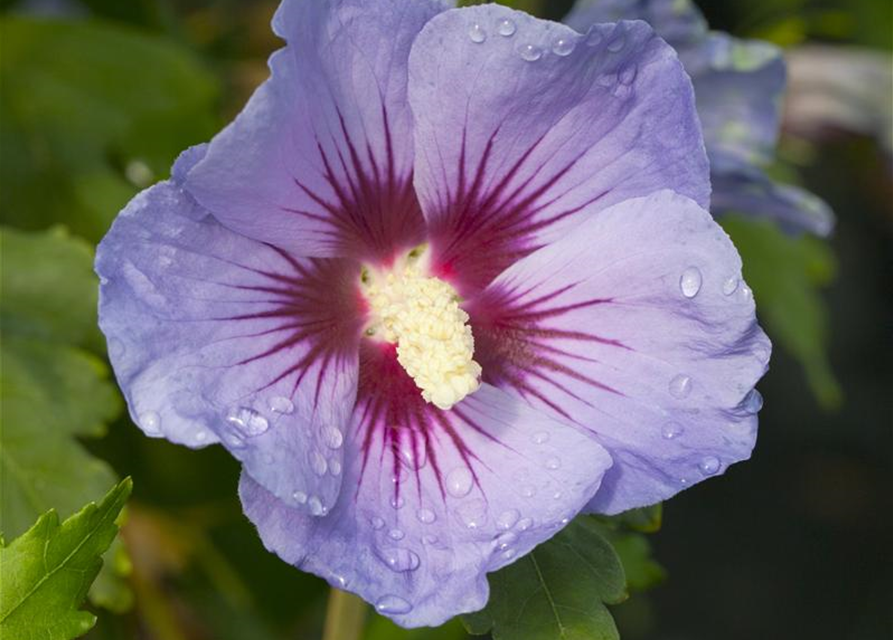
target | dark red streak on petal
[{"x": 375, "y": 213}]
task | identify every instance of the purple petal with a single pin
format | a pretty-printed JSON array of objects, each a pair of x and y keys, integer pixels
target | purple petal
[
  {"x": 320, "y": 161},
  {"x": 676, "y": 21},
  {"x": 432, "y": 500},
  {"x": 751, "y": 192},
  {"x": 638, "y": 328},
  {"x": 524, "y": 128},
  {"x": 218, "y": 338},
  {"x": 739, "y": 86}
]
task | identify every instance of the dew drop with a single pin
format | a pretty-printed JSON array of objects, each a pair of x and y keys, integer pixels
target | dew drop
[
  {"x": 473, "y": 514},
  {"x": 730, "y": 285},
  {"x": 201, "y": 436},
  {"x": 248, "y": 421},
  {"x": 524, "y": 524},
  {"x": 680, "y": 386},
  {"x": 553, "y": 463},
  {"x": 316, "y": 506},
  {"x": 540, "y": 437},
  {"x": 509, "y": 554},
  {"x": 745, "y": 294},
  {"x": 507, "y": 519},
  {"x": 399, "y": 559},
  {"x": 506, "y": 28},
  {"x": 753, "y": 401},
  {"x": 505, "y": 540},
  {"x": 709, "y": 465},
  {"x": 617, "y": 43},
  {"x": 628, "y": 75},
  {"x": 234, "y": 441},
  {"x": 477, "y": 34},
  {"x": 332, "y": 437},
  {"x": 672, "y": 430},
  {"x": 413, "y": 459},
  {"x": 528, "y": 491},
  {"x": 335, "y": 468},
  {"x": 563, "y": 46},
  {"x": 397, "y": 502},
  {"x": 300, "y": 497},
  {"x": 116, "y": 348},
  {"x": 530, "y": 52},
  {"x": 281, "y": 404},
  {"x": 690, "y": 282},
  {"x": 150, "y": 422},
  {"x": 761, "y": 353},
  {"x": 429, "y": 539},
  {"x": 391, "y": 604},
  {"x": 377, "y": 523},
  {"x": 594, "y": 37},
  {"x": 426, "y": 516},
  {"x": 396, "y": 534},
  {"x": 459, "y": 482},
  {"x": 318, "y": 463}
]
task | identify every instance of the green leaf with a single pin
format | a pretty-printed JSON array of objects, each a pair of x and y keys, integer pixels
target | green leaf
[
  {"x": 556, "y": 592},
  {"x": 52, "y": 391},
  {"x": 92, "y": 111},
  {"x": 380, "y": 628},
  {"x": 787, "y": 275},
  {"x": 47, "y": 571}
]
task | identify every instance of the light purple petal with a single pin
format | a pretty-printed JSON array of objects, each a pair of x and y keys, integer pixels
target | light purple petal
[
  {"x": 525, "y": 128},
  {"x": 218, "y": 338},
  {"x": 320, "y": 161},
  {"x": 638, "y": 328},
  {"x": 421, "y": 519}
]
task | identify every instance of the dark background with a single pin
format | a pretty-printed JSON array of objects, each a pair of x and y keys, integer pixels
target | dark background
[{"x": 794, "y": 544}]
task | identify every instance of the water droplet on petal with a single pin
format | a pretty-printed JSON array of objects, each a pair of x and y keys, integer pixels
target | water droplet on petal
[
  {"x": 730, "y": 285},
  {"x": 300, "y": 497},
  {"x": 377, "y": 523},
  {"x": 316, "y": 507},
  {"x": 709, "y": 465},
  {"x": 116, "y": 348},
  {"x": 528, "y": 491},
  {"x": 506, "y": 28},
  {"x": 753, "y": 401},
  {"x": 524, "y": 524},
  {"x": 281, "y": 404},
  {"x": 672, "y": 430},
  {"x": 746, "y": 294},
  {"x": 690, "y": 282},
  {"x": 473, "y": 514},
  {"x": 413, "y": 459},
  {"x": 530, "y": 52},
  {"x": 399, "y": 559},
  {"x": 335, "y": 468},
  {"x": 505, "y": 540},
  {"x": 248, "y": 421},
  {"x": 477, "y": 34},
  {"x": 617, "y": 43},
  {"x": 594, "y": 37},
  {"x": 507, "y": 519},
  {"x": 396, "y": 534},
  {"x": 553, "y": 463},
  {"x": 509, "y": 554},
  {"x": 391, "y": 604},
  {"x": 563, "y": 46},
  {"x": 459, "y": 482},
  {"x": 680, "y": 386},
  {"x": 429, "y": 539},
  {"x": 540, "y": 437},
  {"x": 201, "y": 436},
  {"x": 397, "y": 503},
  {"x": 426, "y": 516},
  {"x": 761, "y": 353},
  {"x": 628, "y": 75},
  {"x": 150, "y": 422},
  {"x": 318, "y": 463},
  {"x": 332, "y": 437}
]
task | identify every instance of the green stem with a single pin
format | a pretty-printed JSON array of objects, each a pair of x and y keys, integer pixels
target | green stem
[{"x": 344, "y": 616}]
